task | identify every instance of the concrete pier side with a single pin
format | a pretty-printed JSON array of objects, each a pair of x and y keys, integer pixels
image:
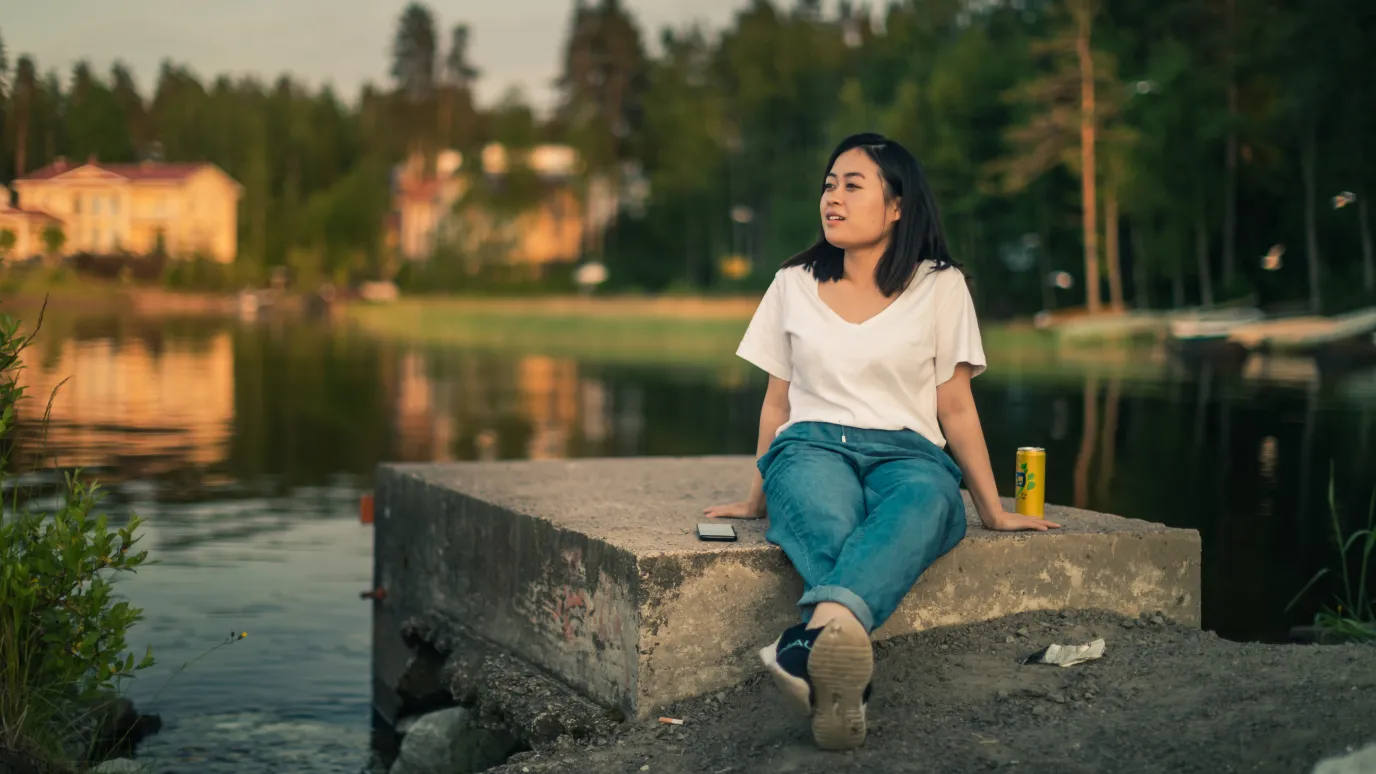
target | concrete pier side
[{"x": 591, "y": 571}]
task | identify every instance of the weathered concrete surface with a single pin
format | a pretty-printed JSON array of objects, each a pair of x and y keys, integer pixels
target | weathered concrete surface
[{"x": 592, "y": 570}]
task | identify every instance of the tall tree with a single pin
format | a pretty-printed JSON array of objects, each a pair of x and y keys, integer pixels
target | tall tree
[
  {"x": 601, "y": 86},
  {"x": 456, "y": 90},
  {"x": 414, "y": 51},
  {"x": 414, "y": 58},
  {"x": 22, "y": 97}
]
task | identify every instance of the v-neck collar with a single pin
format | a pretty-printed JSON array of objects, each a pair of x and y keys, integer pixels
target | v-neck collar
[{"x": 816, "y": 287}]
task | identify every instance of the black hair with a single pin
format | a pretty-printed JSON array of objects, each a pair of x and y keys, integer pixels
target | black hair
[{"x": 917, "y": 237}]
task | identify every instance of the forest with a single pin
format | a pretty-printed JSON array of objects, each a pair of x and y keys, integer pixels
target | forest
[{"x": 1098, "y": 153}]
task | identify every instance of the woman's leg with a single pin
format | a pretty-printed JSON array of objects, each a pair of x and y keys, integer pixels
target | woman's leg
[
  {"x": 915, "y": 515},
  {"x": 815, "y": 502}
]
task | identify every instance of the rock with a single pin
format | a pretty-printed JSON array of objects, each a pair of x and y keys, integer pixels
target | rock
[
  {"x": 1362, "y": 761},
  {"x": 1022, "y": 632},
  {"x": 1067, "y": 613},
  {"x": 1158, "y": 619},
  {"x": 1129, "y": 624},
  {"x": 449, "y": 741},
  {"x": 1010, "y": 639},
  {"x": 120, "y": 766},
  {"x": 721, "y": 697},
  {"x": 1059, "y": 698},
  {"x": 1039, "y": 710},
  {"x": 119, "y": 728}
]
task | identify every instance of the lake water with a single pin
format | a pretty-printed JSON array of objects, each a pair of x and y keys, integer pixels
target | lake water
[{"x": 246, "y": 448}]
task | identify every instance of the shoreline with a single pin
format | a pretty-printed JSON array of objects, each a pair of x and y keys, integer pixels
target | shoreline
[{"x": 1163, "y": 698}]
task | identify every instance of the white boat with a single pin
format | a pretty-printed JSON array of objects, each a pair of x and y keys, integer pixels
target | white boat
[{"x": 1212, "y": 325}]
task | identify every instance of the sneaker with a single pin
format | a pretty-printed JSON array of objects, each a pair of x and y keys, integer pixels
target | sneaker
[
  {"x": 840, "y": 665},
  {"x": 786, "y": 659}
]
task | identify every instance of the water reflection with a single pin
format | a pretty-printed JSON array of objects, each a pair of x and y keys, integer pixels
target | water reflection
[{"x": 248, "y": 445}]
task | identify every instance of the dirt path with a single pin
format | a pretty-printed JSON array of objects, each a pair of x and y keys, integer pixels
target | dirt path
[{"x": 1163, "y": 698}]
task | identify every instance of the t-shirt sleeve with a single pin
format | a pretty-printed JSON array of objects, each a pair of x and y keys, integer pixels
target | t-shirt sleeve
[
  {"x": 765, "y": 344},
  {"x": 957, "y": 330}
]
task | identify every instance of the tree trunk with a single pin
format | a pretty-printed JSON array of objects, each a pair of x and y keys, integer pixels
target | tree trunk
[
  {"x": 1178, "y": 276},
  {"x": 21, "y": 137},
  {"x": 1311, "y": 229},
  {"x": 1368, "y": 253},
  {"x": 446, "y": 117},
  {"x": 1087, "y": 142},
  {"x": 1115, "y": 273},
  {"x": 1043, "y": 252},
  {"x": 1141, "y": 280},
  {"x": 1230, "y": 152},
  {"x": 1201, "y": 257}
]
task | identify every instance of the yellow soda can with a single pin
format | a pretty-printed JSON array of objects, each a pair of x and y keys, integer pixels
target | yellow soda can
[{"x": 1030, "y": 491}]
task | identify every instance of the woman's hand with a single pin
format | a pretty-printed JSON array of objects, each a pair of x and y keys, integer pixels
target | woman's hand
[
  {"x": 1003, "y": 521},
  {"x": 744, "y": 509}
]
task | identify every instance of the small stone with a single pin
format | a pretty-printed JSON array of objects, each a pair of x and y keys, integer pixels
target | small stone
[
  {"x": 1059, "y": 698},
  {"x": 721, "y": 697},
  {"x": 1010, "y": 639},
  {"x": 1129, "y": 624},
  {"x": 1001, "y": 695},
  {"x": 1066, "y": 614},
  {"x": 646, "y": 767},
  {"x": 1039, "y": 710},
  {"x": 1022, "y": 632},
  {"x": 1158, "y": 620},
  {"x": 525, "y": 770}
]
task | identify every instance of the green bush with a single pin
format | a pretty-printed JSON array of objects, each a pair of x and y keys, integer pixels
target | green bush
[{"x": 62, "y": 628}]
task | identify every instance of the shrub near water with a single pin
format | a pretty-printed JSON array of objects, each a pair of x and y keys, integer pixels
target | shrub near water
[{"x": 62, "y": 628}]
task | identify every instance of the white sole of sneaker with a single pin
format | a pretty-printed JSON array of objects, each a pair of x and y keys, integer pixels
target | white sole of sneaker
[
  {"x": 841, "y": 665},
  {"x": 793, "y": 688}
]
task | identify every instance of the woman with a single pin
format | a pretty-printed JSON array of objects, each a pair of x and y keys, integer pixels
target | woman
[{"x": 870, "y": 340}]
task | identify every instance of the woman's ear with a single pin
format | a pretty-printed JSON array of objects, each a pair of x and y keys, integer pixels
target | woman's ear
[{"x": 897, "y": 206}]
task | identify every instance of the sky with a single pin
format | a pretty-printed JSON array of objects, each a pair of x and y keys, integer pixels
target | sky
[{"x": 342, "y": 42}]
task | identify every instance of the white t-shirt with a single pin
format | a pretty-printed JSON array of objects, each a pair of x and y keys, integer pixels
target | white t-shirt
[{"x": 880, "y": 374}]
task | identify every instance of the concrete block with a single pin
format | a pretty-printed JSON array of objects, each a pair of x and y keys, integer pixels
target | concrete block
[{"x": 591, "y": 570}]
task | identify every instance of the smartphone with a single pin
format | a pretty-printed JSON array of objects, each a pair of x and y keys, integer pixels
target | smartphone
[{"x": 713, "y": 531}]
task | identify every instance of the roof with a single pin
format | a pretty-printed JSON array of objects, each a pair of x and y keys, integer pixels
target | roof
[{"x": 148, "y": 170}]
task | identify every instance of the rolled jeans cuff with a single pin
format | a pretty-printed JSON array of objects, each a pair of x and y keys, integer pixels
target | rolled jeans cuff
[{"x": 841, "y": 596}]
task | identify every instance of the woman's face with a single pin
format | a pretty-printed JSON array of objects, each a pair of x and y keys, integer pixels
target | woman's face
[{"x": 854, "y": 212}]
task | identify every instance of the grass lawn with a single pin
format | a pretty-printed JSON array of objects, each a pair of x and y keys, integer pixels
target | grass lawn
[{"x": 685, "y": 331}]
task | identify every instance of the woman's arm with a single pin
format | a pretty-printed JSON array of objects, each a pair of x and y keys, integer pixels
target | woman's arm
[
  {"x": 773, "y": 413},
  {"x": 955, "y": 409}
]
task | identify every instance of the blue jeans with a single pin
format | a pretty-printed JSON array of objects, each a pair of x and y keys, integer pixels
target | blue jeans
[{"x": 861, "y": 518}]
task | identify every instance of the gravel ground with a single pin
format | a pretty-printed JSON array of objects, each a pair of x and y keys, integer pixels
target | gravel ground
[{"x": 1163, "y": 698}]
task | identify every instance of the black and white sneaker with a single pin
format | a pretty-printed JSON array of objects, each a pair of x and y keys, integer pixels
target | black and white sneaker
[
  {"x": 840, "y": 667},
  {"x": 786, "y": 659},
  {"x": 789, "y": 661}
]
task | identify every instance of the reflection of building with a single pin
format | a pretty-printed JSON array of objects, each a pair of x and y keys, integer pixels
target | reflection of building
[
  {"x": 549, "y": 397},
  {"x": 165, "y": 409},
  {"x": 187, "y": 209},
  {"x": 469, "y": 406},
  {"x": 424, "y": 428},
  {"x": 430, "y": 211}
]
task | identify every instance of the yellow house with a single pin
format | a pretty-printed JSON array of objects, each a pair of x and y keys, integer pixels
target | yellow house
[
  {"x": 190, "y": 209},
  {"x": 425, "y": 197},
  {"x": 27, "y": 227}
]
